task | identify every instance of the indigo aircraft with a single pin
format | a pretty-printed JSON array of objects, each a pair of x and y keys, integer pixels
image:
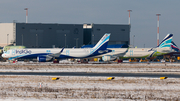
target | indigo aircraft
[
  {"x": 44, "y": 55},
  {"x": 164, "y": 47}
]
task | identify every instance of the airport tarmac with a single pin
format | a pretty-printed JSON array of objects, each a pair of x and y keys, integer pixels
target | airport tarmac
[
  {"x": 89, "y": 69},
  {"x": 149, "y": 75},
  {"x": 133, "y": 81}
]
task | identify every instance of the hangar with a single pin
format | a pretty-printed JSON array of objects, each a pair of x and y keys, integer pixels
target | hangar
[
  {"x": 120, "y": 34},
  {"x": 47, "y": 35}
]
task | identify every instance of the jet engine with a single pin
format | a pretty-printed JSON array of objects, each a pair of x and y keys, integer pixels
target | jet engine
[
  {"x": 44, "y": 58},
  {"x": 109, "y": 58}
]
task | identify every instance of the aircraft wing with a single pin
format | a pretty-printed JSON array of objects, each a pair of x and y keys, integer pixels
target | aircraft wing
[
  {"x": 56, "y": 54},
  {"x": 44, "y": 58},
  {"x": 122, "y": 54}
]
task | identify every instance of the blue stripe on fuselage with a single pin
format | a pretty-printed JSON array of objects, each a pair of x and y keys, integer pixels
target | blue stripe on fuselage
[{"x": 29, "y": 56}]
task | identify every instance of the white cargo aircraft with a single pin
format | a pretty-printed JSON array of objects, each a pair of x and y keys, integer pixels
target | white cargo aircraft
[
  {"x": 44, "y": 55},
  {"x": 163, "y": 48}
]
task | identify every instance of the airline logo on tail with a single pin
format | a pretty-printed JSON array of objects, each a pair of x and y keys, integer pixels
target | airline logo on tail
[
  {"x": 164, "y": 47},
  {"x": 101, "y": 45},
  {"x": 166, "y": 41}
]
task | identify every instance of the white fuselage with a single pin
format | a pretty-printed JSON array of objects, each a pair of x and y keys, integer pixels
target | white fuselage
[
  {"x": 33, "y": 53},
  {"x": 137, "y": 52}
]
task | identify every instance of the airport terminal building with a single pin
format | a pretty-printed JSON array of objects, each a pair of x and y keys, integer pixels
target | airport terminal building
[{"x": 42, "y": 35}]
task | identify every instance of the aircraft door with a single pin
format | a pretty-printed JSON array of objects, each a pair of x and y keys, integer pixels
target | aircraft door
[
  {"x": 131, "y": 52},
  {"x": 67, "y": 52},
  {"x": 13, "y": 52},
  {"x": 113, "y": 51}
]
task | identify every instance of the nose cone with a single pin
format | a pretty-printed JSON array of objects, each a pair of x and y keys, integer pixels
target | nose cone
[{"x": 2, "y": 55}]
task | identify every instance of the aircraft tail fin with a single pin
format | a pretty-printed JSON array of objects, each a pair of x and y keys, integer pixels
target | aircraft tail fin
[
  {"x": 164, "y": 47},
  {"x": 166, "y": 43},
  {"x": 101, "y": 45},
  {"x": 174, "y": 47}
]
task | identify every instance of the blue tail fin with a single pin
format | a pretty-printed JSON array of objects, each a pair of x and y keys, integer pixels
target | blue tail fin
[
  {"x": 101, "y": 46},
  {"x": 166, "y": 41}
]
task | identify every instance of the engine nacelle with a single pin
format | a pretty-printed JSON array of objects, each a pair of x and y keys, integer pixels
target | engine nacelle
[
  {"x": 109, "y": 58},
  {"x": 44, "y": 58}
]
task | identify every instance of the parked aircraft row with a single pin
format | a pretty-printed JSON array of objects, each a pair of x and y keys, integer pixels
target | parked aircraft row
[
  {"x": 44, "y": 55},
  {"x": 99, "y": 50}
]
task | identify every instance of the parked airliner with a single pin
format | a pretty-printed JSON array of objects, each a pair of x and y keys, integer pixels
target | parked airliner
[
  {"x": 163, "y": 48},
  {"x": 44, "y": 55},
  {"x": 174, "y": 47}
]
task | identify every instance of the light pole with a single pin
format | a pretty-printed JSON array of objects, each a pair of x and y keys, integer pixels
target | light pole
[
  {"x": 93, "y": 39},
  {"x": 133, "y": 40},
  {"x": 22, "y": 39},
  {"x": 7, "y": 38},
  {"x": 158, "y": 29},
  {"x": 26, "y": 14},
  {"x": 129, "y": 22},
  {"x": 76, "y": 42},
  {"x": 65, "y": 40},
  {"x": 129, "y": 16},
  {"x": 36, "y": 40}
]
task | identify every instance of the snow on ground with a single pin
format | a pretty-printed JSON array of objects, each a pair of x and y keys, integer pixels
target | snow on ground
[
  {"x": 42, "y": 88},
  {"x": 9, "y": 99},
  {"x": 26, "y": 88},
  {"x": 113, "y": 68}
]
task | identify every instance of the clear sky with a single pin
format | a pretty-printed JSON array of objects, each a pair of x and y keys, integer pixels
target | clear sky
[{"x": 143, "y": 15}]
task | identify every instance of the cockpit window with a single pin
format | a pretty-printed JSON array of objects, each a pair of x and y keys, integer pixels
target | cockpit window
[{"x": 5, "y": 49}]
